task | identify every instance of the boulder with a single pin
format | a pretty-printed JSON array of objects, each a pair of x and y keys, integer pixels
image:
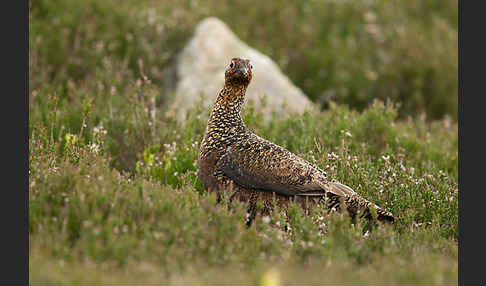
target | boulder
[{"x": 198, "y": 73}]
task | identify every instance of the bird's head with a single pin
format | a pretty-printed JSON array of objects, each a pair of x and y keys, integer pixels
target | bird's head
[{"x": 238, "y": 72}]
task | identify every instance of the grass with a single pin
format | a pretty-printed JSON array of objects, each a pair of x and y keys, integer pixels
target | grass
[
  {"x": 114, "y": 196},
  {"x": 350, "y": 52},
  {"x": 158, "y": 224}
]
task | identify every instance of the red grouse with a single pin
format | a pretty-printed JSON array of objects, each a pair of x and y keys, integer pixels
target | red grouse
[{"x": 233, "y": 159}]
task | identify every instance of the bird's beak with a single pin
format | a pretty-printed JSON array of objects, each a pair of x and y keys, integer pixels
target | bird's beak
[{"x": 243, "y": 71}]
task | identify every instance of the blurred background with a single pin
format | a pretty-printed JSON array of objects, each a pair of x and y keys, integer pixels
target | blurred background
[{"x": 350, "y": 52}]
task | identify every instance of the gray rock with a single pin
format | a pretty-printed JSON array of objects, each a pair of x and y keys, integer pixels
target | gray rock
[{"x": 198, "y": 73}]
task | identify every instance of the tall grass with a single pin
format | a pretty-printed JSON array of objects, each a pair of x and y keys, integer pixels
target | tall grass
[
  {"x": 345, "y": 51},
  {"x": 82, "y": 210}
]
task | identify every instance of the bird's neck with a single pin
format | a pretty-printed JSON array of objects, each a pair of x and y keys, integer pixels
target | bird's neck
[
  {"x": 229, "y": 102},
  {"x": 225, "y": 124}
]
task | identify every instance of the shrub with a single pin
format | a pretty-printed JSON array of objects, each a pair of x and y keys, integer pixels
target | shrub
[{"x": 350, "y": 52}]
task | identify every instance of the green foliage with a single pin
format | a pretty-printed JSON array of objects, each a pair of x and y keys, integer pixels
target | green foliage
[
  {"x": 350, "y": 52},
  {"x": 82, "y": 208}
]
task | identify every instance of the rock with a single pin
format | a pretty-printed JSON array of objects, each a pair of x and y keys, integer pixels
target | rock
[{"x": 199, "y": 72}]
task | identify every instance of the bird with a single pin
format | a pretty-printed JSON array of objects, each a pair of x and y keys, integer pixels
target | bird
[{"x": 234, "y": 162}]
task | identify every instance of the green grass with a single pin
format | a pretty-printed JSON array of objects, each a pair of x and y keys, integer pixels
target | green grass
[
  {"x": 350, "y": 52},
  {"x": 114, "y": 196},
  {"x": 158, "y": 224}
]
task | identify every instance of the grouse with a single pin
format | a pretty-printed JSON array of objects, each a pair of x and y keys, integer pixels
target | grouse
[{"x": 233, "y": 160}]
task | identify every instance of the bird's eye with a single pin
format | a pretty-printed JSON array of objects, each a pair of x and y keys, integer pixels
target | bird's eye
[
  {"x": 232, "y": 65},
  {"x": 251, "y": 66}
]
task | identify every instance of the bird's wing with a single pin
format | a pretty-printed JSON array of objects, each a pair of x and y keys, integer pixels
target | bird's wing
[
  {"x": 259, "y": 164},
  {"x": 256, "y": 163}
]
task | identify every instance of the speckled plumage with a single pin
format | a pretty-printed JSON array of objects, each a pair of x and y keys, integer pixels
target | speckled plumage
[{"x": 253, "y": 169}]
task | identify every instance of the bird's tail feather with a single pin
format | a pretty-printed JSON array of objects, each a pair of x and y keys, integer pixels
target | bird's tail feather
[
  {"x": 340, "y": 189},
  {"x": 352, "y": 200}
]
